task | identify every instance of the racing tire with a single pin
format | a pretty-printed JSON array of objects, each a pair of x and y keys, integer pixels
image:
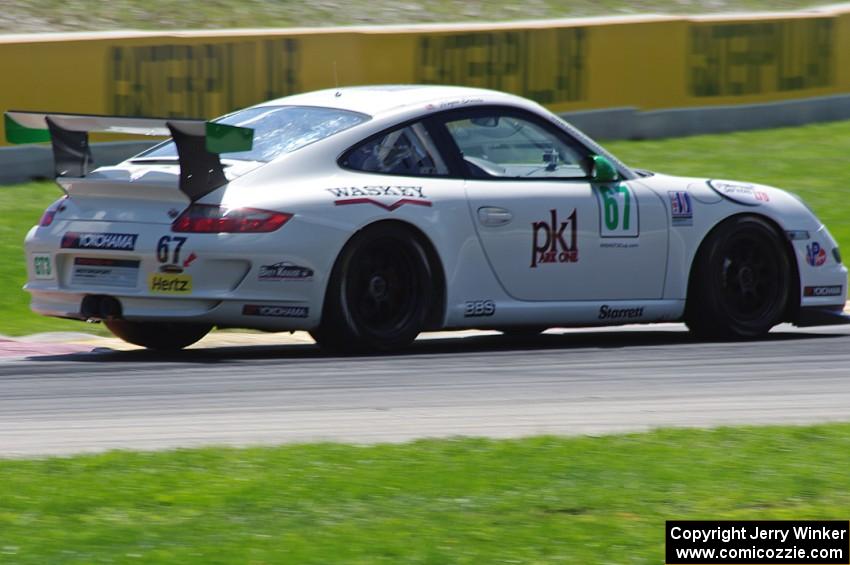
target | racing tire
[
  {"x": 379, "y": 293},
  {"x": 159, "y": 336},
  {"x": 741, "y": 281}
]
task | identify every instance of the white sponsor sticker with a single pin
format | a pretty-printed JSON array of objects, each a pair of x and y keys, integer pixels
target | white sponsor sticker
[{"x": 42, "y": 266}]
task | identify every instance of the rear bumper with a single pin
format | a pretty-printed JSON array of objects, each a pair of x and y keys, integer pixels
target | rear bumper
[{"x": 822, "y": 316}]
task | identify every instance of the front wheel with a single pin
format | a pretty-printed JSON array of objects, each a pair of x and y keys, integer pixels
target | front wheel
[
  {"x": 741, "y": 281},
  {"x": 379, "y": 292},
  {"x": 161, "y": 336}
]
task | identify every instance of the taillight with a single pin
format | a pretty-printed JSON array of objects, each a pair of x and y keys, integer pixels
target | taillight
[
  {"x": 203, "y": 218},
  {"x": 50, "y": 213}
]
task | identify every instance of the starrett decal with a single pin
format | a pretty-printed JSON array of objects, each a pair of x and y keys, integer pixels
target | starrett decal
[{"x": 547, "y": 240}]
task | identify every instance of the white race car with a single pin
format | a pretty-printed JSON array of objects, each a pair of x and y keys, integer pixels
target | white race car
[{"x": 367, "y": 215}]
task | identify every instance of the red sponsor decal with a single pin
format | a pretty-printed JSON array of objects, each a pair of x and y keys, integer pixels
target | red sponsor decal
[{"x": 389, "y": 208}]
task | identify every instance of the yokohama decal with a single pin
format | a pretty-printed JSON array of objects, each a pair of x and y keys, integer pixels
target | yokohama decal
[{"x": 388, "y": 207}]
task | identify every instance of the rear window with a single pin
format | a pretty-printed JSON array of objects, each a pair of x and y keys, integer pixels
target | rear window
[{"x": 277, "y": 130}]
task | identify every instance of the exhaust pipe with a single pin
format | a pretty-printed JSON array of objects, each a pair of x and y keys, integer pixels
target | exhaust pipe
[{"x": 99, "y": 307}]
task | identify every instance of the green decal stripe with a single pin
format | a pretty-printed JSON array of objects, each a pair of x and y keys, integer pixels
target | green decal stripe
[
  {"x": 222, "y": 138},
  {"x": 16, "y": 133}
]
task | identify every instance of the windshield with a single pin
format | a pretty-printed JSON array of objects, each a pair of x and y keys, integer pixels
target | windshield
[{"x": 277, "y": 130}]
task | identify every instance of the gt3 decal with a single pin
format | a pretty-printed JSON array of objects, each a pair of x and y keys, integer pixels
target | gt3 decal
[
  {"x": 815, "y": 254},
  {"x": 111, "y": 241},
  {"x": 168, "y": 283},
  {"x": 547, "y": 240},
  {"x": 681, "y": 210},
  {"x": 618, "y": 212},
  {"x": 275, "y": 311},
  {"x": 42, "y": 266}
]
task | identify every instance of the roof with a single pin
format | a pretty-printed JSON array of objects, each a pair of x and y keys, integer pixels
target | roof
[{"x": 379, "y": 99}]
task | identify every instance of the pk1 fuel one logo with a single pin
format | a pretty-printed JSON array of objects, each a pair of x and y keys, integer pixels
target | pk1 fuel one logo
[{"x": 547, "y": 241}]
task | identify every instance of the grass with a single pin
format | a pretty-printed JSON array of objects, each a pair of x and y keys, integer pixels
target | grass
[
  {"x": 536, "y": 500},
  {"x": 86, "y": 15},
  {"x": 810, "y": 160}
]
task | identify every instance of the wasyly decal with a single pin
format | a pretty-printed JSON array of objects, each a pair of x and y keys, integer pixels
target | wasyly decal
[
  {"x": 275, "y": 311},
  {"x": 815, "y": 254},
  {"x": 681, "y": 210},
  {"x": 548, "y": 243},
  {"x": 834, "y": 290},
  {"x": 284, "y": 271},
  {"x": 42, "y": 266},
  {"x": 608, "y": 313},
  {"x": 388, "y": 197},
  {"x": 169, "y": 283},
  {"x": 479, "y": 308},
  {"x": 86, "y": 240},
  {"x": 99, "y": 271}
]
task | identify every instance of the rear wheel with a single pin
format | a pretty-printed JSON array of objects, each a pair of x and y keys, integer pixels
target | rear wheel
[
  {"x": 161, "y": 336},
  {"x": 379, "y": 293},
  {"x": 741, "y": 281}
]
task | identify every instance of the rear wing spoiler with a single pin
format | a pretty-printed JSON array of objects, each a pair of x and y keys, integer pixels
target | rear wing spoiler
[{"x": 199, "y": 143}]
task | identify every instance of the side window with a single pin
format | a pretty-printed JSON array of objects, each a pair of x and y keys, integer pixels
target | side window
[
  {"x": 406, "y": 151},
  {"x": 507, "y": 146}
]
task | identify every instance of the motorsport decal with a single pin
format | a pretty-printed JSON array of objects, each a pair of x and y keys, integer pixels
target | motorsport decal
[
  {"x": 740, "y": 192},
  {"x": 618, "y": 211},
  {"x": 42, "y": 266},
  {"x": 284, "y": 271},
  {"x": 478, "y": 308},
  {"x": 169, "y": 283},
  {"x": 681, "y": 210},
  {"x": 98, "y": 271},
  {"x": 836, "y": 290},
  {"x": 388, "y": 197},
  {"x": 608, "y": 313},
  {"x": 815, "y": 254},
  {"x": 85, "y": 240},
  {"x": 547, "y": 240},
  {"x": 275, "y": 311},
  {"x": 168, "y": 250}
]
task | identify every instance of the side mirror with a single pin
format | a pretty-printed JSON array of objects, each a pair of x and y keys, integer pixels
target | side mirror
[{"x": 602, "y": 170}]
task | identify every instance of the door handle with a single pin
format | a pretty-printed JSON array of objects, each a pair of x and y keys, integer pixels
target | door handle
[{"x": 493, "y": 216}]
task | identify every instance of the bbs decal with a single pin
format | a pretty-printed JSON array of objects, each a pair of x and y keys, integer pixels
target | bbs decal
[{"x": 479, "y": 308}]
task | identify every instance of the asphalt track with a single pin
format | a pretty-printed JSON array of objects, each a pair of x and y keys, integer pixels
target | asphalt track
[{"x": 567, "y": 382}]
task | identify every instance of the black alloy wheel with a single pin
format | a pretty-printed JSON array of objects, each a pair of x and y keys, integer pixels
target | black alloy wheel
[
  {"x": 379, "y": 293},
  {"x": 742, "y": 280}
]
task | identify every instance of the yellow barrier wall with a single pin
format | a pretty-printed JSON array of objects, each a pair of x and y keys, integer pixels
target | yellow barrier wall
[{"x": 567, "y": 65}]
